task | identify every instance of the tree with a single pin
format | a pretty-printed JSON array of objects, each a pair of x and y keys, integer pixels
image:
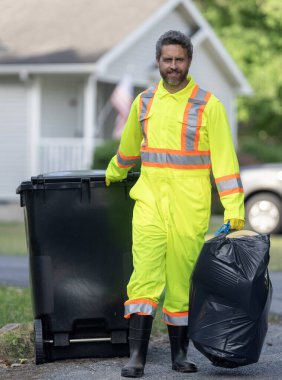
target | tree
[{"x": 251, "y": 31}]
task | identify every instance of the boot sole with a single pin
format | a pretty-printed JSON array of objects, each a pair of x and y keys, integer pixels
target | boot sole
[
  {"x": 184, "y": 370},
  {"x": 132, "y": 372}
]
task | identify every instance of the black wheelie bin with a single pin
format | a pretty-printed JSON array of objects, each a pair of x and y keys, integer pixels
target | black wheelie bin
[{"x": 79, "y": 242}]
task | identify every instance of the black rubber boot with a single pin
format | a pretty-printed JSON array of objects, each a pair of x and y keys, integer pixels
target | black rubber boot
[
  {"x": 140, "y": 327},
  {"x": 179, "y": 342}
]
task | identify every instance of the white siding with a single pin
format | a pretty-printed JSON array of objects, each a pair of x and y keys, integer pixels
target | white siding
[
  {"x": 13, "y": 137},
  {"x": 208, "y": 73},
  {"x": 62, "y": 106}
]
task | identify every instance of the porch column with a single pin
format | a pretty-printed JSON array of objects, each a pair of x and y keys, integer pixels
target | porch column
[
  {"x": 88, "y": 124},
  {"x": 34, "y": 109}
]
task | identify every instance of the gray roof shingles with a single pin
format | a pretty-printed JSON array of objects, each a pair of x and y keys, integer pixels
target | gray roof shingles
[{"x": 67, "y": 31}]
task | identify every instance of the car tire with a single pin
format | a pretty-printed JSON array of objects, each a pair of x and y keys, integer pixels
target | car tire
[{"x": 264, "y": 213}]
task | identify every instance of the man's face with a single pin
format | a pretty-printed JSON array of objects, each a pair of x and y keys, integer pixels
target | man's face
[{"x": 174, "y": 65}]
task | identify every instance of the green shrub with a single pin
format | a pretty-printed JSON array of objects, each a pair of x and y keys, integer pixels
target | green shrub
[
  {"x": 103, "y": 154},
  {"x": 266, "y": 150}
]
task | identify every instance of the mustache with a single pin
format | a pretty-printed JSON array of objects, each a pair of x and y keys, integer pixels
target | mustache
[{"x": 170, "y": 71}]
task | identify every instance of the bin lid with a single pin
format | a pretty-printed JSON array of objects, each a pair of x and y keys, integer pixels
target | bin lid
[{"x": 68, "y": 179}]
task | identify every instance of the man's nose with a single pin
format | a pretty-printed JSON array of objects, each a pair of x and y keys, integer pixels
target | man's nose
[{"x": 173, "y": 64}]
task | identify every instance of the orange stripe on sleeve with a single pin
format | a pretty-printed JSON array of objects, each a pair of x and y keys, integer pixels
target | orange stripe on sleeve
[
  {"x": 227, "y": 177},
  {"x": 233, "y": 191}
]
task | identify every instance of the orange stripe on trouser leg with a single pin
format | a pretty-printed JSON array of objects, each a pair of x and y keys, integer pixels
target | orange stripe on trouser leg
[
  {"x": 176, "y": 319},
  {"x": 140, "y": 306}
]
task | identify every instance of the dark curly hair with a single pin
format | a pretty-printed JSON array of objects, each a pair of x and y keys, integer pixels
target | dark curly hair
[{"x": 174, "y": 37}]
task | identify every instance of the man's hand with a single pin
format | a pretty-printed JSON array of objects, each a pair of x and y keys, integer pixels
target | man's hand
[
  {"x": 236, "y": 224},
  {"x": 108, "y": 181}
]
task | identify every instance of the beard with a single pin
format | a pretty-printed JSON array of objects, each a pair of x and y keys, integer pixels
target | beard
[{"x": 174, "y": 77}]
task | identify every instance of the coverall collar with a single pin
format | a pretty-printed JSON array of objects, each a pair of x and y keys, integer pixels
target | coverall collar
[{"x": 162, "y": 92}]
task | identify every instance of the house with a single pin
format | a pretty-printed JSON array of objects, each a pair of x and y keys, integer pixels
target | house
[{"x": 60, "y": 61}]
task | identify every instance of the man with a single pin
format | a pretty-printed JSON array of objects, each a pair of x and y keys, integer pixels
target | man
[{"x": 181, "y": 132}]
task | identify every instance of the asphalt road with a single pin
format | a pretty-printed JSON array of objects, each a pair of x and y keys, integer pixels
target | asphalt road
[{"x": 158, "y": 365}]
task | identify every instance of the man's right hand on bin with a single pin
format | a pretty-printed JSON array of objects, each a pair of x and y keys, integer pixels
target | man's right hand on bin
[{"x": 113, "y": 175}]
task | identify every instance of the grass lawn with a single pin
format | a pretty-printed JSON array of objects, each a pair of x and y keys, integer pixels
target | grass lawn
[
  {"x": 15, "y": 305},
  {"x": 12, "y": 239}
]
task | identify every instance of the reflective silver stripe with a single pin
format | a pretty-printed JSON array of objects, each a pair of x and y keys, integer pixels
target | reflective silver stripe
[
  {"x": 140, "y": 308},
  {"x": 174, "y": 159},
  {"x": 177, "y": 321},
  {"x": 127, "y": 162},
  {"x": 145, "y": 99},
  {"x": 192, "y": 118},
  {"x": 200, "y": 96},
  {"x": 229, "y": 184}
]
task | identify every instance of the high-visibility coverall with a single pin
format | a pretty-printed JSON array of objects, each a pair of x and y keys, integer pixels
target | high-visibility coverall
[{"x": 180, "y": 138}]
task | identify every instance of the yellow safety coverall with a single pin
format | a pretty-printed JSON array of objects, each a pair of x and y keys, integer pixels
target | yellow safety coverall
[{"x": 179, "y": 137}]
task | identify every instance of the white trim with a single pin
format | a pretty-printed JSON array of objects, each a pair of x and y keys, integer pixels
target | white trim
[
  {"x": 111, "y": 55},
  {"x": 25, "y": 69},
  {"x": 199, "y": 37},
  {"x": 88, "y": 120},
  {"x": 34, "y": 121}
]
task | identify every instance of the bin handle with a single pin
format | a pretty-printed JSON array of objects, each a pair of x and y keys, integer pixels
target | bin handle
[{"x": 241, "y": 233}]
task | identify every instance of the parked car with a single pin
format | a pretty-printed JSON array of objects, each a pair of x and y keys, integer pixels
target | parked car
[{"x": 263, "y": 197}]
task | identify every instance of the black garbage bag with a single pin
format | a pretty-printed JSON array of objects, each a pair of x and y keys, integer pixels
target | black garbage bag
[{"x": 230, "y": 299}]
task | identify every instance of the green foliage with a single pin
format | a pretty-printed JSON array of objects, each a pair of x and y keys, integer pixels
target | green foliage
[
  {"x": 251, "y": 31},
  {"x": 261, "y": 151},
  {"x": 15, "y": 305},
  {"x": 104, "y": 153}
]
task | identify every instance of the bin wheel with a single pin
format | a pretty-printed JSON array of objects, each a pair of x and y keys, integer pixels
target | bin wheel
[{"x": 38, "y": 342}]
